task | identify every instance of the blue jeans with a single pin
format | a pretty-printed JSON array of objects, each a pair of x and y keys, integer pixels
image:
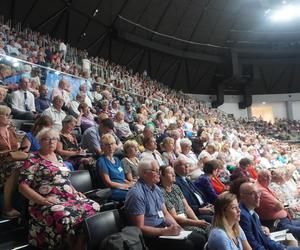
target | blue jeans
[{"x": 292, "y": 225}]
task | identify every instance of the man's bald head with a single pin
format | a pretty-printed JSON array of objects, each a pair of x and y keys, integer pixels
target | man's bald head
[{"x": 249, "y": 195}]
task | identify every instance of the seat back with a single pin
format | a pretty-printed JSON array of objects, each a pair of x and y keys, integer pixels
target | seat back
[
  {"x": 100, "y": 226},
  {"x": 81, "y": 180}
]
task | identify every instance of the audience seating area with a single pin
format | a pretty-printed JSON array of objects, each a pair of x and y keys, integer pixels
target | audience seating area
[{"x": 110, "y": 105}]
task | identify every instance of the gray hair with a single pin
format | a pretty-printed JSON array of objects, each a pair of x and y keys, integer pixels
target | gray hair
[
  {"x": 185, "y": 142},
  {"x": 40, "y": 135},
  {"x": 69, "y": 118},
  {"x": 145, "y": 164}
]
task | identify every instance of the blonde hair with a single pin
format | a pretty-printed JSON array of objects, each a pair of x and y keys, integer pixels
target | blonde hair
[
  {"x": 4, "y": 110},
  {"x": 219, "y": 220},
  {"x": 107, "y": 138},
  {"x": 128, "y": 144}
]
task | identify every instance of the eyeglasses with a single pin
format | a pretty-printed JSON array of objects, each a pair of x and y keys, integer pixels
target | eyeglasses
[
  {"x": 48, "y": 139},
  {"x": 7, "y": 115},
  {"x": 253, "y": 193},
  {"x": 156, "y": 171}
]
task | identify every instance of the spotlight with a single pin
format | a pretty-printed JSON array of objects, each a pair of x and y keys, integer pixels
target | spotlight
[{"x": 285, "y": 14}]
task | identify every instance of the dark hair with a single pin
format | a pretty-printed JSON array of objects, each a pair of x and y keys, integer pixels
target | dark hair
[
  {"x": 43, "y": 121},
  {"x": 146, "y": 140},
  {"x": 244, "y": 162},
  {"x": 107, "y": 123},
  {"x": 162, "y": 169},
  {"x": 235, "y": 185},
  {"x": 210, "y": 166}
]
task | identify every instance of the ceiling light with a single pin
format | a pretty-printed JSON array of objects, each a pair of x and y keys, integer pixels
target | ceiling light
[
  {"x": 285, "y": 14},
  {"x": 95, "y": 12}
]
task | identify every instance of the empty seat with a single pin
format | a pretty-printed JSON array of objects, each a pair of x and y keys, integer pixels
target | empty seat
[
  {"x": 101, "y": 225},
  {"x": 82, "y": 182}
]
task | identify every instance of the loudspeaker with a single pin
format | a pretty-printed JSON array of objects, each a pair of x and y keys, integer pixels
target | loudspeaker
[
  {"x": 247, "y": 98},
  {"x": 220, "y": 96}
]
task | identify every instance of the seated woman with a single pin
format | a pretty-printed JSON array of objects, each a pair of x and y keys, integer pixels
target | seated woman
[
  {"x": 168, "y": 146},
  {"x": 130, "y": 162},
  {"x": 56, "y": 209},
  {"x": 190, "y": 157},
  {"x": 177, "y": 204},
  {"x": 204, "y": 181},
  {"x": 68, "y": 147},
  {"x": 29, "y": 142},
  {"x": 8, "y": 170},
  {"x": 109, "y": 169},
  {"x": 87, "y": 118},
  {"x": 227, "y": 233}
]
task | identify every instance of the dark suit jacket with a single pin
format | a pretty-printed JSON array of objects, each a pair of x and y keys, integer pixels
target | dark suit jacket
[
  {"x": 188, "y": 191},
  {"x": 255, "y": 236}
]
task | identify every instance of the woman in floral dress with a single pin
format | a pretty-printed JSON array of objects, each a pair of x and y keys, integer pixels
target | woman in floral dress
[{"x": 56, "y": 209}]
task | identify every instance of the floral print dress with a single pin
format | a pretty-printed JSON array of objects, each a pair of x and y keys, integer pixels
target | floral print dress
[{"x": 48, "y": 224}]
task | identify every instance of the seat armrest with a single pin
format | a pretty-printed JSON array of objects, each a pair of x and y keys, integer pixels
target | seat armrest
[{"x": 99, "y": 194}]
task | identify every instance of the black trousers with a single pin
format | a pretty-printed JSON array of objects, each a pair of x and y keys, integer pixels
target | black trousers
[{"x": 195, "y": 241}]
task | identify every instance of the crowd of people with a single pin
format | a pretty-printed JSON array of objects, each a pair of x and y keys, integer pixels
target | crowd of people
[{"x": 175, "y": 163}]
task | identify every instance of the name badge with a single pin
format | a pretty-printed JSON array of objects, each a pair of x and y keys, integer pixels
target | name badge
[
  {"x": 120, "y": 169},
  {"x": 160, "y": 214}
]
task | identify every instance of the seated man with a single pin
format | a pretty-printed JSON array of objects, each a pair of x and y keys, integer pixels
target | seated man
[
  {"x": 91, "y": 137},
  {"x": 22, "y": 102},
  {"x": 145, "y": 207},
  {"x": 257, "y": 235},
  {"x": 150, "y": 152},
  {"x": 42, "y": 102},
  {"x": 193, "y": 195},
  {"x": 271, "y": 210},
  {"x": 56, "y": 113}
]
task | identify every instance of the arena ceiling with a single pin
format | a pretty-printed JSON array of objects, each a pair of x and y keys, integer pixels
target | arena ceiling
[{"x": 192, "y": 45}]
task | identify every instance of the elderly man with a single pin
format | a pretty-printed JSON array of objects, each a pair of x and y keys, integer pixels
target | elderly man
[
  {"x": 271, "y": 210},
  {"x": 22, "y": 101},
  {"x": 91, "y": 136},
  {"x": 145, "y": 208},
  {"x": 42, "y": 102},
  {"x": 56, "y": 113},
  {"x": 150, "y": 152},
  {"x": 257, "y": 235},
  {"x": 121, "y": 127},
  {"x": 61, "y": 91},
  {"x": 192, "y": 194}
]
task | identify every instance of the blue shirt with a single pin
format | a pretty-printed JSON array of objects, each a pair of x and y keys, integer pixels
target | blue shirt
[
  {"x": 42, "y": 103},
  {"x": 34, "y": 142},
  {"x": 113, "y": 170},
  {"x": 144, "y": 200},
  {"x": 218, "y": 239}
]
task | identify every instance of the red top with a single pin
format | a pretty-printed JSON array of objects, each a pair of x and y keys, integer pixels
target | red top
[{"x": 217, "y": 184}]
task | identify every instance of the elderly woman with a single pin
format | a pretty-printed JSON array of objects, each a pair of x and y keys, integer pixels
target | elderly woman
[
  {"x": 188, "y": 155},
  {"x": 139, "y": 124},
  {"x": 3, "y": 92},
  {"x": 204, "y": 182},
  {"x": 110, "y": 171},
  {"x": 29, "y": 142},
  {"x": 68, "y": 147},
  {"x": 176, "y": 203},
  {"x": 227, "y": 233},
  {"x": 208, "y": 154},
  {"x": 87, "y": 118},
  {"x": 121, "y": 127},
  {"x": 168, "y": 146},
  {"x": 130, "y": 162},
  {"x": 56, "y": 209},
  {"x": 8, "y": 170}
]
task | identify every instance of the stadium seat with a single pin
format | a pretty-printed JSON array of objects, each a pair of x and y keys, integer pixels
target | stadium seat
[{"x": 101, "y": 225}]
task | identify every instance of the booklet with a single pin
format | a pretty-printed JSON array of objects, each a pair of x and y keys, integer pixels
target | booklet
[
  {"x": 183, "y": 235},
  {"x": 279, "y": 235}
]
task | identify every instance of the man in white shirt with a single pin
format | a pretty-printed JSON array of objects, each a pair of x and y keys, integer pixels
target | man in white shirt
[
  {"x": 56, "y": 113},
  {"x": 150, "y": 151},
  {"x": 60, "y": 90},
  {"x": 22, "y": 102}
]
